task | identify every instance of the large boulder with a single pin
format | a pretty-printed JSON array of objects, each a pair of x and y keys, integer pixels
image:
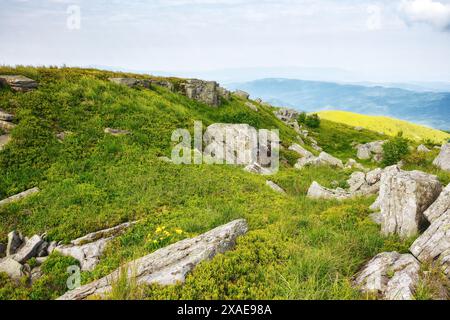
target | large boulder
[
  {"x": 203, "y": 91},
  {"x": 242, "y": 94},
  {"x": 371, "y": 150},
  {"x": 390, "y": 275},
  {"x": 19, "y": 196},
  {"x": 169, "y": 265},
  {"x": 12, "y": 268},
  {"x": 330, "y": 160},
  {"x": 404, "y": 196},
  {"x": 287, "y": 115},
  {"x": 443, "y": 160},
  {"x": 18, "y": 83}
]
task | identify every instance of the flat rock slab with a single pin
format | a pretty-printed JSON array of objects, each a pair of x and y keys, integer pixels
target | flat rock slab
[
  {"x": 390, "y": 275},
  {"x": 18, "y": 83},
  {"x": 29, "y": 249},
  {"x": 19, "y": 196},
  {"x": 169, "y": 265},
  {"x": 117, "y": 132},
  {"x": 275, "y": 187},
  {"x": 106, "y": 233},
  {"x": 443, "y": 160},
  {"x": 404, "y": 197},
  {"x": 300, "y": 150},
  {"x": 439, "y": 207}
]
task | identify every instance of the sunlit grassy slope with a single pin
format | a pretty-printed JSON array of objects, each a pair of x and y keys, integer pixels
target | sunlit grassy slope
[{"x": 389, "y": 126}]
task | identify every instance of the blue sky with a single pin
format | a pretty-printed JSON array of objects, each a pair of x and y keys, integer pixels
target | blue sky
[{"x": 385, "y": 40}]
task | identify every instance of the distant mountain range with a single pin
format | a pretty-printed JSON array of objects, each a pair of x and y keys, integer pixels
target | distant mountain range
[{"x": 420, "y": 106}]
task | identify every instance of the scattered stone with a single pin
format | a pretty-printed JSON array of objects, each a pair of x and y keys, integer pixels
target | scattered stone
[
  {"x": 404, "y": 196},
  {"x": 4, "y": 140},
  {"x": 6, "y": 126},
  {"x": 251, "y": 106},
  {"x": 258, "y": 169},
  {"x": 275, "y": 187},
  {"x": 316, "y": 191},
  {"x": 36, "y": 274},
  {"x": 422, "y": 148},
  {"x": 28, "y": 250},
  {"x": 300, "y": 150},
  {"x": 372, "y": 150},
  {"x": 330, "y": 160},
  {"x": 61, "y": 136},
  {"x": 287, "y": 115},
  {"x": 390, "y": 275},
  {"x": 169, "y": 265},
  {"x": 117, "y": 132},
  {"x": 106, "y": 233},
  {"x": 443, "y": 160},
  {"x": 19, "y": 196},
  {"x": 15, "y": 240},
  {"x": 18, "y": 83},
  {"x": 316, "y": 147},
  {"x": 12, "y": 268},
  {"x": 131, "y": 82},
  {"x": 242, "y": 94},
  {"x": 51, "y": 247},
  {"x": 6, "y": 116}
]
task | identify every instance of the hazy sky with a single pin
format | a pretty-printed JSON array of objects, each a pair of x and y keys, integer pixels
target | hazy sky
[{"x": 385, "y": 40}]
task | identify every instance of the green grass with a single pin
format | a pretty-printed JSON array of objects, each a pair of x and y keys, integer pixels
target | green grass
[{"x": 296, "y": 248}]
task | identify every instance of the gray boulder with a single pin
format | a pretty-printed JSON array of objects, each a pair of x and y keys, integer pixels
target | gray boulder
[
  {"x": 300, "y": 150},
  {"x": 390, "y": 275},
  {"x": 439, "y": 207},
  {"x": 19, "y": 196},
  {"x": 443, "y": 160},
  {"x": 316, "y": 191},
  {"x": 404, "y": 197},
  {"x": 12, "y": 268},
  {"x": 275, "y": 187},
  {"x": 251, "y": 106},
  {"x": 242, "y": 94},
  {"x": 29, "y": 249},
  {"x": 371, "y": 150},
  {"x": 169, "y": 265},
  {"x": 330, "y": 160},
  {"x": 15, "y": 240},
  {"x": 18, "y": 83},
  {"x": 202, "y": 91}
]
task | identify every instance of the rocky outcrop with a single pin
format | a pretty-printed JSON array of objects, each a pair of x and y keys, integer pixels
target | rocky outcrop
[
  {"x": 169, "y": 265},
  {"x": 390, "y": 275},
  {"x": 372, "y": 150},
  {"x": 163, "y": 83},
  {"x": 89, "y": 249},
  {"x": 18, "y": 83},
  {"x": 19, "y": 196},
  {"x": 423, "y": 148},
  {"x": 131, "y": 82},
  {"x": 443, "y": 160},
  {"x": 287, "y": 115},
  {"x": 404, "y": 197},
  {"x": 275, "y": 187},
  {"x": 316, "y": 191},
  {"x": 15, "y": 240},
  {"x": 117, "y": 132},
  {"x": 203, "y": 91},
  {"x": 324, "y": 159},
  {"x": 242, "y": 94},
  {"x": 29, "y": 249}
]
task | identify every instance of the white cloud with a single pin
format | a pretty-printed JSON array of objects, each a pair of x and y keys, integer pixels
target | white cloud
[{"x": 429, "y": 12}]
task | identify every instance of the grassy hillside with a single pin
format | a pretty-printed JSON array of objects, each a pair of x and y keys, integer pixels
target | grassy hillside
[
  {"x": 389, "y": 126},
  {"x": 296, "y": 248}
]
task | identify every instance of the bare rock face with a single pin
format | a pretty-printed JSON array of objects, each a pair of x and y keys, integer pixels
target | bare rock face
[
  {"x": 18, "y": 83},
  {"x": 443, "y": 160},
  {"x": 316, "y": 191},
  {"x": 12, "y": 268},
  {"x": 404, "y": 197},
  {"x": 19, "y": 196},
  {"x": 28, "y": 250},
  {"x": 117, "y": 132},
  {"x": 390, "y": 275},
  {"x": 439, "y": 207},
  {"x": 15, "y": 240},
  {"x": 242, "y": 94},
  {"x": 169, "y": 265},
  {"x": 300, "y": 150},
  {"x": 275, "y": 187}
]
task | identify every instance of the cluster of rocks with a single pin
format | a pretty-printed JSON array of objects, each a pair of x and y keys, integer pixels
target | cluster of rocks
[
  {"x": 410, "y": 202},
  {"x": 19, "y": 250},
  {"x": 361, "y": 184},
  {"x": 169, "y": 265},
  {"x": 18, "y": 83},
  {"x": 208, "y": 92},
  {"x": 371, "y": 150}
]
